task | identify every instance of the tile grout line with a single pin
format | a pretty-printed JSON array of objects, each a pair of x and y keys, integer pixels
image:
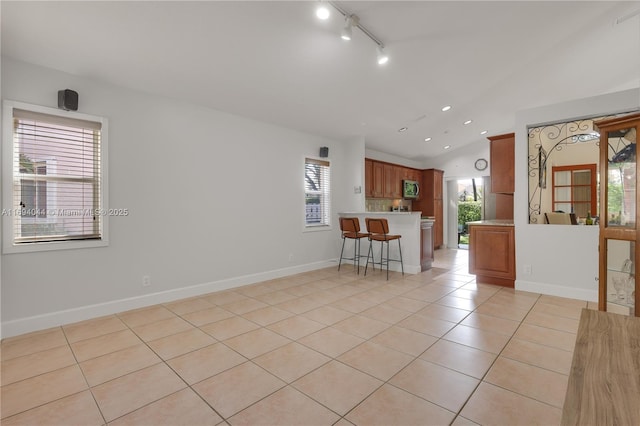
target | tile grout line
[
  {"x": 481, "y": 380},
  {"x": 354, "y": 283},
  {"x": 538, "y": 299}
]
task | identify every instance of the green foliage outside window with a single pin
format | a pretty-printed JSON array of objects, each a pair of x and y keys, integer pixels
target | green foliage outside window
[
  {"x": 468, "y": 211},
  {"x": 615, "y": 194}
]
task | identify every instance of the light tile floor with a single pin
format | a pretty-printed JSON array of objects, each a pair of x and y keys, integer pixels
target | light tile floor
[{"x": 323, "y": 347}]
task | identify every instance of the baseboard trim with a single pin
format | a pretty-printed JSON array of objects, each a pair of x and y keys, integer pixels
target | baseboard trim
[
  {"x": 558, "y": 290},
  {"x": 68, "y": 316},
  {"x": 395, "y": 267}
]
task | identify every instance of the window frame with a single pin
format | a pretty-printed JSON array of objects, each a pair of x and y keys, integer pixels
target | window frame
[
  {"x": 593, "y": 185},
  {"x": 320, "y": 226},
  {"x": 9, "y": 244}
]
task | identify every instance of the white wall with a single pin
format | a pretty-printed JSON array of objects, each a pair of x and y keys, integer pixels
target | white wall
[
  {"x": 215, "y": 200},
  {"x": 459, "y": 164},
  {"x": 563, "y": 259}
]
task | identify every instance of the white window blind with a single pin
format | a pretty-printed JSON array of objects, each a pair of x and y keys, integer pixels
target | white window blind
[
  {"x": 317, "y": 188},
  {"x": 56, "y": 178}
]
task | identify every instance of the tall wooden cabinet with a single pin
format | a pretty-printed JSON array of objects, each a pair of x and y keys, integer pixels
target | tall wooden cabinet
[
  {"x": 502, "y": 166},
  {"x": 619, "y": 217},
  {"x": 431, "y": 202}
]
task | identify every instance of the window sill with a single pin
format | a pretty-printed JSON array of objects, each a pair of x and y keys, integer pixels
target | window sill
[
  {"x": 317, "y": 228},
  {"x": 10, "y": 248}
]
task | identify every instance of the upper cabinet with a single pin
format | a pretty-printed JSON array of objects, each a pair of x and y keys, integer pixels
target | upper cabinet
[
  {"x": 502, "y": 151},
  {"x": 368, "y": 178},
  {"x": 377, "y": 188},
  {"x": 384, "y": 180},
  {"x": 502, "y": 160},
  {"x": 412, "y": 174},
  {"x": 432, "y": 184},
  {"x": 392, "y": 181}
]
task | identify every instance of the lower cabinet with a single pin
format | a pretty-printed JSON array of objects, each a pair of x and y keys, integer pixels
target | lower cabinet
[{"x": 492, "y": 253}]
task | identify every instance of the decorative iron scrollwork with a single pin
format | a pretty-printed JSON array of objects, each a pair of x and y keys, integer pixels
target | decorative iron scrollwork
[{"x": 580, "y": 131}]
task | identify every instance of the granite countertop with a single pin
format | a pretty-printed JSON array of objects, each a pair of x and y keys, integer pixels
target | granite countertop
[{"x": 493, "y": 222}]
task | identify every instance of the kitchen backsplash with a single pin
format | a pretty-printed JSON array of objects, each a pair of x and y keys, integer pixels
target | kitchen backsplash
[{"x": 386, "y": 205}]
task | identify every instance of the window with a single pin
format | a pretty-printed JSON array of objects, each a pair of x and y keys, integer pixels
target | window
[
  {"x": 33, "y": 201},
  {"x": 53, "y": 197},
  {"x": 574, "y": 189},
  {"x": 317, "y": 192}
]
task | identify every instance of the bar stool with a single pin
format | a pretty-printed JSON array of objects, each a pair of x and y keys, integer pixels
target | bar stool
[
  {"x": 350, "y": 228},
  {"x": 378, "y": 230}
]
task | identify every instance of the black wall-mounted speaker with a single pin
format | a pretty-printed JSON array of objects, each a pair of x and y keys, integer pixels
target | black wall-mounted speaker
[
  {"x": 68, "y": 100},
  {"x": 324, "y": 152}
]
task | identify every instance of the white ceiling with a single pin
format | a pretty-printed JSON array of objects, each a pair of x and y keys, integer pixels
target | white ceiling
[{"x": 276, "y": 62}]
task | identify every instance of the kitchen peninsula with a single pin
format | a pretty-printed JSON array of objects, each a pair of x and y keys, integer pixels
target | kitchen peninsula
[{"x": 413, "y": 230}]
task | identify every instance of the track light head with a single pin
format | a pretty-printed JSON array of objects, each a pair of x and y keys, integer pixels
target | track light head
[
  {"x": 349, "y": 22},
  {"x": 322, "y": 11},
  {"x": 383, "y": 58},
  {"x": 347, "y": 31}
]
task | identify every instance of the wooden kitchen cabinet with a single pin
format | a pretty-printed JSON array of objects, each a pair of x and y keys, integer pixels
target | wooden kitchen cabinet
[
  {"x": 431, "y": 203},
  {"x": 502, "y": 163},
  {"x": 432, "y": 184},
  {"x": 377, "y": 189},
  {"x": 492, "y": 253},
  {"x": 412, "y": 174},
  {"x": 392, "y": 181},
  {"x": 368, "y": 178},
  {"x": 384, "y": 180}
]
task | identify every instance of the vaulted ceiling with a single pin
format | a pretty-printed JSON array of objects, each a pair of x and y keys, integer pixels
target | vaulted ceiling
[{"x": 276, "y": 62}]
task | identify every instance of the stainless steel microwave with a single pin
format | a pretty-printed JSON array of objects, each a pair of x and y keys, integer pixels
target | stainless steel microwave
[{"x": 410, "y": 189}]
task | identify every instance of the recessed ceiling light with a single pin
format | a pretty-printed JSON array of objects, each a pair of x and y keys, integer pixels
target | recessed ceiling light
[
  {"x": 403, "y": 129},
  {"x": 446, "y": 108},
  {"x": 484, "y": 132},
  {"x": 447, "y": 146},
  {"x": 468, "y": 122},
  {"x": 427, "y": 139}
]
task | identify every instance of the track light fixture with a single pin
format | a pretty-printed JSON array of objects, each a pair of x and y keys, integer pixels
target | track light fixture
[
  {"x": 383, "y": 58},
  {"x": 351, "y": 21}
]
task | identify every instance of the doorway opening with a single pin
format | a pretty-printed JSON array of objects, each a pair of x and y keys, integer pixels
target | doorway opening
[{"x": 470, "y": 196}]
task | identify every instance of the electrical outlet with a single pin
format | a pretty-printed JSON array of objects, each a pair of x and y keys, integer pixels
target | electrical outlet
[
  {"x": 526, "y": 269},
  {"x": 290, "y": 257},
  {"x": 146, "y": 281}
]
